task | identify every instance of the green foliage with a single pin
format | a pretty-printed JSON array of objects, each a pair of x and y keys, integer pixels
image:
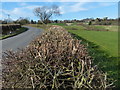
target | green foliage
[{"x": 54, "y": 60}]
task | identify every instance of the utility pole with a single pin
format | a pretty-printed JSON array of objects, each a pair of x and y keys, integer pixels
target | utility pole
[{"x": 8, "y": 18}]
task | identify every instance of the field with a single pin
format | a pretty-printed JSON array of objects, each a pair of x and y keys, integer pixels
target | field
[
  {"x": 108, "y": 41},
  {"x": 102, "y": 46}
]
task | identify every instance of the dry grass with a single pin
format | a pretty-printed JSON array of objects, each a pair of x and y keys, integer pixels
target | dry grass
[{"x": 41, "y": 26}]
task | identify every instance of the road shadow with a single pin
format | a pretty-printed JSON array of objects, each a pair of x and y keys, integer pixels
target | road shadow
[{"x": 102, "y": 59}]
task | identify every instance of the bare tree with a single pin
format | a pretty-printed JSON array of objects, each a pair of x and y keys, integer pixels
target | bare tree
[{"x": 45, "y": 12}]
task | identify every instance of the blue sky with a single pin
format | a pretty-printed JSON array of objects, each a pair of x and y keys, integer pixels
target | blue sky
[{"x": 69, "y": 10}]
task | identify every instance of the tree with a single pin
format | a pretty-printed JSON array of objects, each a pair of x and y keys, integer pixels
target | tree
[
  {"x": 46, "y": 12},
  {"x": 90, "y": 23},
  {"x": 32, "y": 22},
  {"x": 23, "y": 21},
  {"x": 105, "y": 18},
  {"x": 98, "y": 19}
]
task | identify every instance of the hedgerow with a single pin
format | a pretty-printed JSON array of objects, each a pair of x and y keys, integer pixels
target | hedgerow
[
  {"x": 9, "y": 27},
  {"x": 53, "y": 60}
]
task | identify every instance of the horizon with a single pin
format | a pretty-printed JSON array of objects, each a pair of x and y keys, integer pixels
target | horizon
[{"x": 69, "y": 10}]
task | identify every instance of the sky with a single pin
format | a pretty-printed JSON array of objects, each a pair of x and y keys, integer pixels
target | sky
[{"x": 69, "y": 10}]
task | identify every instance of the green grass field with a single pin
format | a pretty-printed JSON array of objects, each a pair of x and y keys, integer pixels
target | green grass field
[{"x": 108, "y": 41}]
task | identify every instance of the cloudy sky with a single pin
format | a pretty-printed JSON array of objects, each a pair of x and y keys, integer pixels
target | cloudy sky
[{"x": 69, "y": 10}]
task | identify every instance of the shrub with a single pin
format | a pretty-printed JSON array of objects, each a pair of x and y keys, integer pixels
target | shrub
[
  {"x": 10, "y": 27},
  {"x": 52, "y": 60},
  {"x": 90, "y": 23}
]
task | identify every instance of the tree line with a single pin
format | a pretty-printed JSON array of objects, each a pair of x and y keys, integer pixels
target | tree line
[{"x": 45, "y": 13}]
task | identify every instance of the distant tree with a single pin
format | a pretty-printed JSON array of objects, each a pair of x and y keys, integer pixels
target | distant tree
[
  {"x": 90, "y": 23},
  {"x": 35, "y": 22},
  {"x": 45, "y": 13},
  {"x": 32, "y": 22},
  {"x": 105, "y": 18},
  {"x": 4, "y": 22},
  {"x": 56, "y": 21},
  {"x": 39, "y": 22},
  {"x": 0, "y": 21},
  {"x": 15, "y": 21},
  {"x": 98, "y": 19},
  {"x": 23, "y": 21}
]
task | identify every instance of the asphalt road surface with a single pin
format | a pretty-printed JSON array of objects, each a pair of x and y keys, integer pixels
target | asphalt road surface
[{"x": 21, "y": 40}]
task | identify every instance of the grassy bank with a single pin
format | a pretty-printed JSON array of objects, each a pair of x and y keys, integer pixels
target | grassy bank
[{"x": 21, "y": 30}]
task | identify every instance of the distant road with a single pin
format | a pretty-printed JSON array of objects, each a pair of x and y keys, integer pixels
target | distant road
[{"x": 21, "y": 40}]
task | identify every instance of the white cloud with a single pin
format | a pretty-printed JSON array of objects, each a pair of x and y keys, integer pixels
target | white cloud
[
  {"x": 78, "y": 7},
  {"x": 3, "y": 14},
  {"x": 61, "y": 10},
  {"x": 15, "y": 13},
  {"x": 73, "y": 7}
]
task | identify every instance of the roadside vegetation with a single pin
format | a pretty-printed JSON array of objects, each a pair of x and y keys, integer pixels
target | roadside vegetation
[
  {"x": 54, "y": 60},
  {"x": 9, "y": 30}
]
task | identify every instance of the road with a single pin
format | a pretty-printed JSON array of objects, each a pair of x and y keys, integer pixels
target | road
[{"x": 21, "y": 40}]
